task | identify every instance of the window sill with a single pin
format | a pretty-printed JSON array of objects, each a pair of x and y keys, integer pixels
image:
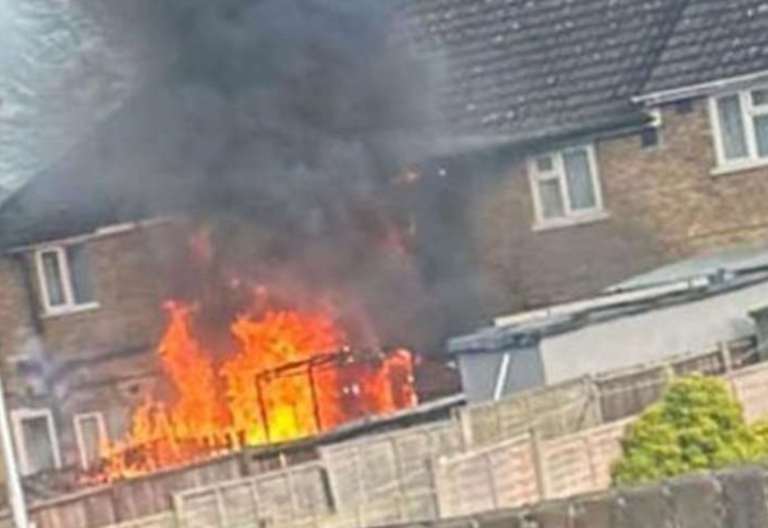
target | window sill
[
  {"x": 733, "y": 168},
  {"x": 70, "y": 310},
  {"x": 562, "y": 223}
]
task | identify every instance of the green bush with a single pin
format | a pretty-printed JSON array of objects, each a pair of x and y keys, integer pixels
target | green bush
[{"x": 697, "y": 425}]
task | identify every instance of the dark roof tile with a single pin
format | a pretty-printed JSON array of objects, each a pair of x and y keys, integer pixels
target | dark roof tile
[
  {"x": 714, "y": 39},
  {"x": 528, "y": 67}
]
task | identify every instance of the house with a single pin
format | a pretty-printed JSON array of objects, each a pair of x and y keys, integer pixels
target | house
[
  {"x": 592, "y": 140},
  {"x": 618, "y": 135},
  {"x": 85, "y": 255},
  {"x": 690, "y": 307}
]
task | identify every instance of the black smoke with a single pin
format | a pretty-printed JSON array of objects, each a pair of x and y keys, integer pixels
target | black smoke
[{"x": 279, "y": 126}]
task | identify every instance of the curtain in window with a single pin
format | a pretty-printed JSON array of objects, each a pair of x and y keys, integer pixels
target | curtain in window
[
  {"x": 581, "y": 190},
  {"x": 551, "y": 198},
  {"x": 79, "y": 270},
  {"x": 732, "y": 127},
  {"x": 52, "y": 277}
]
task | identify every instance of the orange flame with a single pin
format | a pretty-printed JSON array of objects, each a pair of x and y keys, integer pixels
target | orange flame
[{"x": 291, "y": 376}]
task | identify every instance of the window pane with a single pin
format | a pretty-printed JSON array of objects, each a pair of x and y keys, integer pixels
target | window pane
[
  {"x": 732, "y": 127},
  {"x": 760, "y": 97},
  {"x": 37, "y": 444},
  {"x": 761, "y": 134},
  {"x": 81, "y": 277},
  {"x": 581, "y": 190},
  {"x": 52, "y": 276},
  {"x": 90, "y": 433},
  {"x": 544, "y": 164},
  {"x": 551, "y": 199}
]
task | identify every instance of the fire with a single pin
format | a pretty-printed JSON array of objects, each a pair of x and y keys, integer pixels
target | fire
[{"x": 291, "y": 375}]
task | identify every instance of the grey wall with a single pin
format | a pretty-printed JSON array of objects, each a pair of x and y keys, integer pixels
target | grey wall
[
  {"x": 480, "y": 370},
  {"x": 693, "y": 327}
]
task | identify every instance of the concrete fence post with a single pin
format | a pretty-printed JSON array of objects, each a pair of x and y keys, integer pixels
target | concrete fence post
[
  {"x": 595, "y": 399},
  {"x": 465, "y": 427},
  {"x": 539, "y": 468},
  {"x": 725, "y": 353}
]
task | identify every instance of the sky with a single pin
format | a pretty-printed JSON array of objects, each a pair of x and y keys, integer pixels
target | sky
[{"x": 61, "y": 71}]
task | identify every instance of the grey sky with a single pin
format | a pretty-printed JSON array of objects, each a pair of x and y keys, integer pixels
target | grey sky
[{"x": 61, "y": 70}]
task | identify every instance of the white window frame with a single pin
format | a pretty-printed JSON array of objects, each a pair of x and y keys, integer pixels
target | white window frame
[
  {"x": 17, "y": 418},
  {"x": 570, "y": 216},
  {"x": 70, "y": 302},
  {"x": 79, "y": 437},
  {"x": 748, "y": 112}
]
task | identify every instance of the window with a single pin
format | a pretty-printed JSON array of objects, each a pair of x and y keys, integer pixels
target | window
[
  {"x": 91, "y": 434},
  {"x": 565, "y": 186},
  {"x": 740, "y": 122},
  {"x": 64, "y": 277},
  {"x": 36, "y": 440}
]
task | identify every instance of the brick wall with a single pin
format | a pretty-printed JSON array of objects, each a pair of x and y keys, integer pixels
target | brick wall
[
  {"x": 128, "y": 271},
  {"x": 664, "y": 204}
]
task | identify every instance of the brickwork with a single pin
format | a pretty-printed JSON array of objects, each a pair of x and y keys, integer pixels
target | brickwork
[
  {"x": 81, "y": 350},
  {"x": 663, "y": 204}
]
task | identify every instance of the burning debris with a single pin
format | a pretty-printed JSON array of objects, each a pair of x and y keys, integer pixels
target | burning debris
[{"x": 290, "y": 375}]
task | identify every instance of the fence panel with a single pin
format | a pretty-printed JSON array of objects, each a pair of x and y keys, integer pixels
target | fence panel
[
  {"x": 580, "y": 463},
  {"x": 363, "y": 470},
  {"x": 277, "y": 498},
  {"x": 750, "y": 386},
  {"x": 501, "y": 476},
  {"x": 163, "y": 520},
  {"x": 554, "y": 411}
]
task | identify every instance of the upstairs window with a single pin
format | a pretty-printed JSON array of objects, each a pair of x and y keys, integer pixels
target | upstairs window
[
  {"x": 565, "y": 186},
  {"x": 64, "y": 277},
  {"x": 740, "y": 123}
]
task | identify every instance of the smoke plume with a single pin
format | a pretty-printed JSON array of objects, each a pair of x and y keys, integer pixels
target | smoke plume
[{"x": 279, "y": 127}]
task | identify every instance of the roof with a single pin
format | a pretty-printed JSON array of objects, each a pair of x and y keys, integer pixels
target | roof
[
  {"x": 115, "y": 175},
  {"x": 529, "y": 69},
  {"x": 709, "y": 264},
  {"x": 687, "y": 281},
  {"x": 713, "y": 40},
  {"x": 514, "y": 71}
]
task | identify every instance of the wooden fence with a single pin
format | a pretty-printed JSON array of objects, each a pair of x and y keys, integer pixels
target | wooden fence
[
  {"x": 729, "y": 499},
  {"x": 366, "y": 469},
  {"x": 501, "y": 476},
  {"x": 276, "y": 498},
  {"x": 547, "y": 443},
  {"x": 580, "y": 404}
]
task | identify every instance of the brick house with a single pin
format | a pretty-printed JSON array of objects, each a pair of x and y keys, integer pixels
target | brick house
[
  {"x": 80, "y": 317},
  {"x": 82, "y": 282},
  {"x": 608, "y": 137},
  {"x": 619, "y": 135}
]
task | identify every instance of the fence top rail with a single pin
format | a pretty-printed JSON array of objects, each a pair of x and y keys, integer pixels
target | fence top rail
[
  {"x": 582, "y": 381},
  {"x": 484, "y": 450},
  {"x": 674, "y": 360},
  {"x": 439, "y": 426},
  {"x": 592, "y": 431}
]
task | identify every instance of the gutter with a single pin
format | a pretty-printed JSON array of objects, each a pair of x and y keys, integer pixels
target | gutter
[
  {"x": 101, "y": 232},
  {"x": 701, "y": 89}
]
